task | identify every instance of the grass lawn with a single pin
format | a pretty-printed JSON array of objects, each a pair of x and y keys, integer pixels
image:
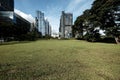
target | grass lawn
[{"x": 60, "y": 60}]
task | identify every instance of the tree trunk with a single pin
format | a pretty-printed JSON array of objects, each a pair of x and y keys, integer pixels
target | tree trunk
[{"x": 117, "y": 40}]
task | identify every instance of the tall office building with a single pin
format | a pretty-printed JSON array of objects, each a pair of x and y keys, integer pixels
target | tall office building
[
  {"x": 6, "y": 10},
  {"x": 43, "y": 25},
  {"x": 40, "y": 22},
  {"x": 66, "y": 22},
  {"x": 47, "y": 28}
]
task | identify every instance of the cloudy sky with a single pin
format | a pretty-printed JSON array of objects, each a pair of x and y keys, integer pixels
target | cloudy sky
[{"x": 52, "y": 9}]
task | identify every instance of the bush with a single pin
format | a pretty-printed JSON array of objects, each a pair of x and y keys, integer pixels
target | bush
[
  {"x": 108, "y": 40},
  {"x": 92, "y": 37}
]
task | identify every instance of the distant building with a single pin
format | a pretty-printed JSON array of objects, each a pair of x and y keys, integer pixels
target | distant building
[
  {"x": 42, "y": 25},
  {"x": 50, "y": 30},
  {"x": 66, "y": 22},
  {"x": 40, "y": 22},
  {"x": 47, "y": 28}
]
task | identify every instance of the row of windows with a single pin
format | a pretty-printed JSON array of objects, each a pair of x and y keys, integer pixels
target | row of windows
[{"x": 4, "y": 15}]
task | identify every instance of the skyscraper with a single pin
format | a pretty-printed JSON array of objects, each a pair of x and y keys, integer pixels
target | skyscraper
[
  {"x": 47, "y": 28},
  {"x": 40, "y": 22},
  {"x": 66, "y": 22},
  {"x": 43, "y": 25}
]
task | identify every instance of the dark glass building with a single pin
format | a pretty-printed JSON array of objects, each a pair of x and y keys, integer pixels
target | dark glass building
[
  {"x": 6, "y": 10},
  {"x": 20, "y": 21},
  {"x": 6, "y": 5}
]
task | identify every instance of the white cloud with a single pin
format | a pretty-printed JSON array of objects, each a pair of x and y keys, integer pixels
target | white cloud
[{"x": 28, "y": 17}]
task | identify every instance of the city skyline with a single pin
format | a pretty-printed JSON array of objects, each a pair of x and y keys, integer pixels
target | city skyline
[{"x": 52, "y": 9}]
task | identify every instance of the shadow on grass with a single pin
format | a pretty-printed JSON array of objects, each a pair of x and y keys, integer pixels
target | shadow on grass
[
  {"x": 104, "y": 40},
  {"x": 108, "y": 40},
  {"x": 15, "y": 42}
]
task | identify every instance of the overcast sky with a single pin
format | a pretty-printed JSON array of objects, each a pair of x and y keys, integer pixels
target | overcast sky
[{"x": 52, "y": 9}]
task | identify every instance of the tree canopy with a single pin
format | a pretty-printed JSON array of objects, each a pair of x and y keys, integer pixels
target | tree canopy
[{"x": 101, "y": 16}]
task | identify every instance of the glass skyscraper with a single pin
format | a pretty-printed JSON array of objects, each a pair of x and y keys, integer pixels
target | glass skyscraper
[
  {"x": 42, "y": 25},
  {"x": 47, "y": 28},
  {"x": 40, "y": 22}
]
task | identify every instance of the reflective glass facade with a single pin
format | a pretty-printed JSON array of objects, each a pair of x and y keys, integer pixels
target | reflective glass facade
[
  {"x": 41, "y": 22},
  {"x": 8, "y": 14}
]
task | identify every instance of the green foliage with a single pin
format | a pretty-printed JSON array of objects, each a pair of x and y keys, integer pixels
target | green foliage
[
  {"x": 100, "y": 15},
  {"x": 105, "y": 15},
  {"x": 47, "y": 36},
  {"x": 92, "y": 36},
  {"x": 79, "y": 24}
]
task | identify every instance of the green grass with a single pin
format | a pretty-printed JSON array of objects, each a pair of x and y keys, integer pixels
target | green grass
[{"x": 60, "y": 60}]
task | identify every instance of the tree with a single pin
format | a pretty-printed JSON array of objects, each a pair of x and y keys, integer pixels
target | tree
[
  {"x": 80, "y": 24},
  {"x": 106, "y": 16},
  {"x": 101, "y": 15}
]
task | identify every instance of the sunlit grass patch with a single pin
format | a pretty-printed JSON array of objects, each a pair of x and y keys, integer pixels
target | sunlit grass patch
[{"x": 60, "y": 60}]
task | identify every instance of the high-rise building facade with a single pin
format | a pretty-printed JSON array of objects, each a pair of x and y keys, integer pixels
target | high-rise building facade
[
  {"x": 42, "y": 25},
  {"x": 66, "y": 22},
  {"x": 40, "y": 22},
  {"x": 47, "y": 28},
  {"x": 6, "y": 10}
]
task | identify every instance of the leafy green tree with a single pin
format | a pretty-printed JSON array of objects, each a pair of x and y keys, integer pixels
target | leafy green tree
[
  {"x": 106, "y": 16},
  {"x": 80, "y": 24},
  {"x": 101, "y": 15}
]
